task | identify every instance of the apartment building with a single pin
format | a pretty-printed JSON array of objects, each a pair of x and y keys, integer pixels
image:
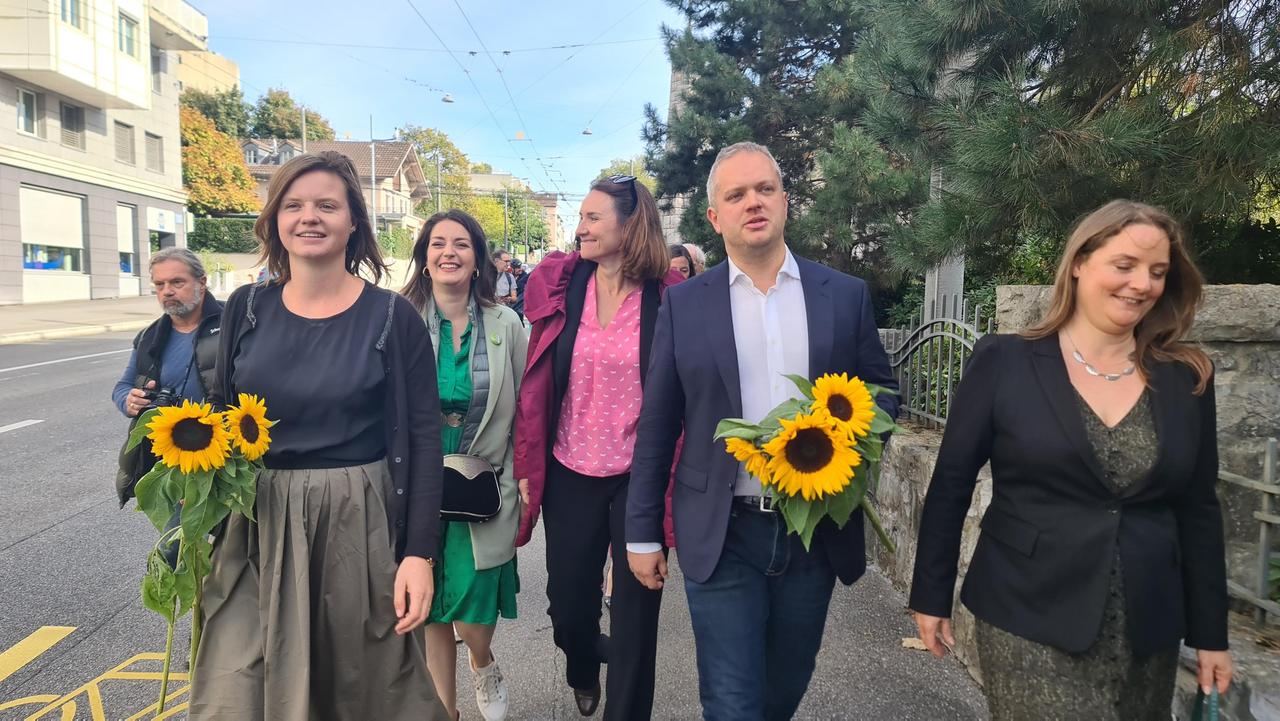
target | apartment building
[{"x": 90, "y": 152}]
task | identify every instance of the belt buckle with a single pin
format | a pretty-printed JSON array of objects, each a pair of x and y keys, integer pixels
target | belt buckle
[
  {"x": 453, "y": 420},
  {"x": 766, "y": 504}
]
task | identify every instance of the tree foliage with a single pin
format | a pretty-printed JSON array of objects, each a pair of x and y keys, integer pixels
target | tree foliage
[
  {"x": 630, "y": 166},
  {"x": 455, "y": 191},
  {"x": 227, "y": 109},
  {"x": 482, "y": 168},
  {"x": 214, "y": 173},
  {"x": 277, "y": 115},
  {"x": 909, "y": 131}
]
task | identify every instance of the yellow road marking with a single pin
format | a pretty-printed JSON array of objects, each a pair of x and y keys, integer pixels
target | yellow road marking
[
  {"x": 91, "y": 693},
  {"x": 26, "y": 650},
  {"x": 42, "y": 699}
]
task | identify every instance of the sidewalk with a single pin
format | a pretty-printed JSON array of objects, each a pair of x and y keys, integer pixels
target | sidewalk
[{"x": 45, "y": 321}]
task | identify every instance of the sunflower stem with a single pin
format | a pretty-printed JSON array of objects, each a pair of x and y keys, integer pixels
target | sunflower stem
[
  {"x": 197, "y": 626},
  {"x": 168, "y": 658},
  {"x": 879, "y": 528}
]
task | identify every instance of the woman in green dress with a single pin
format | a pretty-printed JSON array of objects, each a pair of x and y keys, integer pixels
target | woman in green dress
[{"x": 480, "y": 355}]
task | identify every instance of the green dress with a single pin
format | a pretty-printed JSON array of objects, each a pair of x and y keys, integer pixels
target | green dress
[{"x": 463, "y": 593}]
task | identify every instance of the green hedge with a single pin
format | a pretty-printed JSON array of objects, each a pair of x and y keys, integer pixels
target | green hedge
[{"x": 223, "y": 235}]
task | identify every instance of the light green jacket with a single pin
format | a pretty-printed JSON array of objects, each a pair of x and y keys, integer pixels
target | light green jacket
[{"x": 506, "y": 341}]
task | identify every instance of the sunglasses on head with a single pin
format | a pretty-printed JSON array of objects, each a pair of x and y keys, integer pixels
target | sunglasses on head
[{"x": 630, "y": 180}]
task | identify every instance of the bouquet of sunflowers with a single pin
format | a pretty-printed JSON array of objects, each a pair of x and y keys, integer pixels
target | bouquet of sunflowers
[
  {"x": 816, "y": 455},
  {"x": 207, "y": 469}
]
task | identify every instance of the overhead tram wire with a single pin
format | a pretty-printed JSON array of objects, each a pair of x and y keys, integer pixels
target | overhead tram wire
[
  {"x": 516, "y": 107},
  {"x": 472, "y": 81},
  {"x": 406, "y": 48},
  {"x": 571, "y": 56}
]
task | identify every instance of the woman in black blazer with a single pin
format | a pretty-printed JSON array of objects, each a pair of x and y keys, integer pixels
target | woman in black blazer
[{"x": 1102, "y": 547}]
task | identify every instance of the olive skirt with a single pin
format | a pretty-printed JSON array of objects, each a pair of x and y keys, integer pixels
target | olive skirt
[{"x": 299, "y": 614}]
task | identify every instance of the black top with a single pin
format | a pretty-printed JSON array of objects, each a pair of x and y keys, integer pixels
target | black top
[
  {"x": 411, "y": 409},
  {"x": 322, "y": 379},
  {"x": 1042, "y": 563}
]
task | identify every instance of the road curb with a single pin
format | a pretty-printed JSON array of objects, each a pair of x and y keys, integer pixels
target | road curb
[{"x": 72, "y": 331}]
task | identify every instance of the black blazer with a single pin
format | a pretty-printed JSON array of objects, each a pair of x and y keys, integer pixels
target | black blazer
[
  {"x": 1049, "y": 537},
  {"x": 693, "y": 384}
]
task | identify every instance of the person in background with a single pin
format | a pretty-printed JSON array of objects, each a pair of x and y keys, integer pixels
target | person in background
[
  {"x": 177, "y": 352},
  {"x": 522, "y": 280},
  {"x": 593, "y": 316},
  {"x": 315, "y": 608},
  {"x": 480, "y": 351},
  {"x": 681, "y": 261},
  {"x": 505, "y": 289},
  {"x": 1102, "y": 548},
  {"x": 699, "y": 257}
]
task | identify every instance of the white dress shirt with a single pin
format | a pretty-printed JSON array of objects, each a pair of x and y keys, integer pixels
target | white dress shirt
[
  {"x": 771, "y": 332},
  {"x": 771, "y": 335}
]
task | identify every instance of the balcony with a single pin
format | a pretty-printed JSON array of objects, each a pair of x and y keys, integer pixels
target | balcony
[{"x": 176, "y": 25}]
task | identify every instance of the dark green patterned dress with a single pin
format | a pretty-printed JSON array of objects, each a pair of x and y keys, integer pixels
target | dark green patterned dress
[{"x": 1029, "y": 680}]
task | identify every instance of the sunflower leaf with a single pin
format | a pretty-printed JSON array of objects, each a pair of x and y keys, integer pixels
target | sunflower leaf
[
  {"x": 155, "y": 495},
  {"x": 789, "y": 408},
  {"x": 738, "y": 428},
  {"x": 877, "y": 390},
  {"x": 140, "y": 430},
  {"x": 804, "y": 384},
  {"x": 185, "y": 580},
  {"x": 796, "y": 511},
  {"x": 158, "y": 588},
  {"x": 882, "y": 424},
  {"x": 199, "y": 519},
  {"x": 841, "y": 506}
]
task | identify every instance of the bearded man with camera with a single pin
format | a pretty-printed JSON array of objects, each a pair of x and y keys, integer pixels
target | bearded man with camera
[{"x": 172, "y": 358}]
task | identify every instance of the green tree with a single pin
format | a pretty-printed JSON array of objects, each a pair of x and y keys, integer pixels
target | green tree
[
  {"x": 482, "y": 168},
  {"x": 488, "y": 213},
  {"x": 213, "y": 170},
  {"x": 276, "y": 115},
  {"x": 455, "y": 191},
  {"x": 525, "y": 215},
  {"x": 630, "y": 166},
  {"x": 1033, "y": 123},
  {"x": 754, "y": 66},
  {"x": 227, "y": 109}
]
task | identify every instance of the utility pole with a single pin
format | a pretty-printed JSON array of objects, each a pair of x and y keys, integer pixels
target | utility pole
[
  {"x": 526, "y": 223},
  {"x": 504, "y": 216},
  {"x": 304, "y": 128},
  {"x": 373, "y": 179},
  {"x": 437, "y": 180}
]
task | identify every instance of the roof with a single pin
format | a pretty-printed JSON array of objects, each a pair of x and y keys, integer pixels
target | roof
[{"x": 391, "y": 156}]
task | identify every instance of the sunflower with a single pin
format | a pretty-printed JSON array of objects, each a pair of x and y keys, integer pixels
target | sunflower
[
  {"x": 189, "y": 436},
  {"x": 847, "y": 400},
  {"x": 811, "y": 457},
  {"x": 248, "y": 426},
  {"x": 746, "y": 452}
]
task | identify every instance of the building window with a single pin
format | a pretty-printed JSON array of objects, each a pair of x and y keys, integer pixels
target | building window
[
  {"x": 29, "y": 113},
  {"x": 124, "y": 144},
  {"x": 73, "y": 13},
  {"x": 73, "y": 126},
  {"x": 127, "y": 238},
  {"x": 128, "y": 36},
  {"x": 155, "y": 153},
  {"x": 157, "y": 70},
  {"x": 50, "y": 257}
]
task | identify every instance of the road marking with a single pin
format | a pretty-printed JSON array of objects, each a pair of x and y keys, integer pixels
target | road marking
[
  {"x": 14, "y": 427},
  {"x": 26, "y": 650},
  {"x": 64, "y": 360},
  {"x": 143, "y": 668}
]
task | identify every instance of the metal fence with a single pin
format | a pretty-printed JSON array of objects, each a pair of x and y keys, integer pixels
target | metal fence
[
  {"x": 1269, "y": 522},
  {"x": 929, "y": 360}
]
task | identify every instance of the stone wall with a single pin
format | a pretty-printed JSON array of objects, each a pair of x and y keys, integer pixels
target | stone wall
[{"x": 1239, "y": 327}]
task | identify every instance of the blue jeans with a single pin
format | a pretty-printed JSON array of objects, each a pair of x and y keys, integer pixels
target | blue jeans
[{"x": 758, "y": 620}]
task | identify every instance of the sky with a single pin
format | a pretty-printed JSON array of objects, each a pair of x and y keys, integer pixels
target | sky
[{"x": 395, "y": 60}]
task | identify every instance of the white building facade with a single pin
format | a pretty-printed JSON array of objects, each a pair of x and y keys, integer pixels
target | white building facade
[{"x": 90, "y": 151}]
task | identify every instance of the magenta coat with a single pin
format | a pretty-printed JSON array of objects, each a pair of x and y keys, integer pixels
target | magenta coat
[{"x": 544, "y": 306}]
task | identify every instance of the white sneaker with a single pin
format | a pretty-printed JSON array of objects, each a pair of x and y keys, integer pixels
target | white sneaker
[{"x": 491, "y": 690}]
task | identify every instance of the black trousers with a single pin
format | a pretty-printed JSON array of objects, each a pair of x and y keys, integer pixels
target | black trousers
[{"x": 582, "y": 517}]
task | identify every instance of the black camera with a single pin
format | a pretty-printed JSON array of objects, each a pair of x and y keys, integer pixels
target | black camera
[{"x": 162, "y": 397}]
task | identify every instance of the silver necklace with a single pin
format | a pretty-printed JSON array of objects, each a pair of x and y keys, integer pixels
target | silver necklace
[{"x": 1088, "y": 367}]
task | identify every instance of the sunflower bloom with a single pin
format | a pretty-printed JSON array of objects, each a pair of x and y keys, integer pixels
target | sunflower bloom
[
  {"x": 189, "y": 436},
  {"x": 248, "y": 424},
  {"x": 811, "y": 457},
  {"x": 746, "y": 452},
  {"x": 847, "y": 400}
]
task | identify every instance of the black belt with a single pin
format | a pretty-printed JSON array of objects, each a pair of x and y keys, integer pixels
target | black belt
[{"x": 759, "y": 504}]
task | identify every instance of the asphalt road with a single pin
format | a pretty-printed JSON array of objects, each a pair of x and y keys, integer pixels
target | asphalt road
[{"x": 72, "y": 626}]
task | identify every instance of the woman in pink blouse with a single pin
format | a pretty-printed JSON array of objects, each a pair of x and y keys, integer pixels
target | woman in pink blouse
[{"x": 593, "y": 315}]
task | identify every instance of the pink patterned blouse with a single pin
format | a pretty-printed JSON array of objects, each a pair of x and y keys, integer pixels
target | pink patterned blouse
[{"x": 597, "y": 431}]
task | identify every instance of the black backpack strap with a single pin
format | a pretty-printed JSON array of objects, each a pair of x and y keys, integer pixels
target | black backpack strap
[
  {"x": 248, "y": 307},
  {"x": 575, "y": 298},
  {"x": 386, "y": 327},
  {"x": 650, "y": 299}
]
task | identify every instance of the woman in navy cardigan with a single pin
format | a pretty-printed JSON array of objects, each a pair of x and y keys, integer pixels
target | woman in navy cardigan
[{"x": 1102, "y": 547}]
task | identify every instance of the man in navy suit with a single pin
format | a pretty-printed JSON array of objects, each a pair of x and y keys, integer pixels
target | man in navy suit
[{"x": 723, "y": 343}]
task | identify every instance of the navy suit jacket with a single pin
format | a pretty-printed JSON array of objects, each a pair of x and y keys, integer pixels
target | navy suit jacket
[{"x": 692, "y": 384}]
